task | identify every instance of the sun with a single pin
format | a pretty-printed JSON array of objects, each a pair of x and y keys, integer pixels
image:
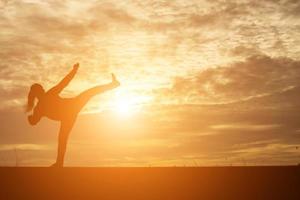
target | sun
[
  {"x": 124, "y": 105},
  {"x": 127, "y": 104}
]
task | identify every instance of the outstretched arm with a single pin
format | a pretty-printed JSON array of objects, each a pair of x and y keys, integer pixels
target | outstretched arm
[{"x": 63, "y": 83}]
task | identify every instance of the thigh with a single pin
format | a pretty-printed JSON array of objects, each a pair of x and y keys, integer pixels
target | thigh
[
  {"x": 66, "y": 126},
  {"x": 80, "y": 101}
]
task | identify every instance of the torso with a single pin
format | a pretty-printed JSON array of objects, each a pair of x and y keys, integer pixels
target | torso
[{"x": 54, "y": 107}]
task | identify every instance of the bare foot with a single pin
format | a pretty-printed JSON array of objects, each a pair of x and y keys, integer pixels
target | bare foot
[
  {"x": 76, "y": 66},
  {"x": 56, "y": 165},
  {"x": 114, "y": 80}
]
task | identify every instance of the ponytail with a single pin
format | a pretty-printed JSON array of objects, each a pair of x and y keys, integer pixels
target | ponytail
[{"x": 32, "y": 95}]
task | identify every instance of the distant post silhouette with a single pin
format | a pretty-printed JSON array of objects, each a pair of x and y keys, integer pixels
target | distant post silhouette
[
  {"x": 16, "y": 157},
  {"x": 65, "y": 110}
]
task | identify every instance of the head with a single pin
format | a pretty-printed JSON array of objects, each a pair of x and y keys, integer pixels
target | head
[{"x": 36, "y": 91}]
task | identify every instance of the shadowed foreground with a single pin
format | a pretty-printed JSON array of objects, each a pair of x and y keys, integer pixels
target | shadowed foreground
[{"x": 151, "y": 183}]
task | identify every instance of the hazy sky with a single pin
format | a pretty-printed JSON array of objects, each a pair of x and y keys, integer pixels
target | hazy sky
[{"x": 203, "y": 82}]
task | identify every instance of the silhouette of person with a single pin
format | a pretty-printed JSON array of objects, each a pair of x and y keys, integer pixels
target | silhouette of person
[{"x": 65, "y": 110}]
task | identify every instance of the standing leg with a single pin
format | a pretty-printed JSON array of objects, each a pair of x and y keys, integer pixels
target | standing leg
[{"x": 65, "y": 129}]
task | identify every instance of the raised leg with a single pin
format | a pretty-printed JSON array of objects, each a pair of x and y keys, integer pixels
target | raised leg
[{"x": 85, "y": 96}]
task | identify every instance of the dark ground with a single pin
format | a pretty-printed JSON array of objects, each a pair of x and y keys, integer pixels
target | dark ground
[{"x": 150, "y": 183}]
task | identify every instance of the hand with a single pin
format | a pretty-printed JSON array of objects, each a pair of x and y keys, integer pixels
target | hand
[
  {"x": 76, "y": 66},
  {"x": 31, "y": 120},
  {"x": 114, "y": 80}
]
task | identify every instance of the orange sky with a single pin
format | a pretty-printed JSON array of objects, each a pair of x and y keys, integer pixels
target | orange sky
[{"x": 203, "y": 82}]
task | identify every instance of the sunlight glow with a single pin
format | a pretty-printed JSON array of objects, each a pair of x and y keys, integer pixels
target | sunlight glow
[
  {"x": 126, "y": 104},
  {"x": 124, "y": 107}
]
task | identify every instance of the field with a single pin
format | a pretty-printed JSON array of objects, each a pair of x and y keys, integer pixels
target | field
[{"x": 169, "y": 183}]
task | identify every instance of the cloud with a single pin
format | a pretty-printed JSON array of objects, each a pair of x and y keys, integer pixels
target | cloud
[
  {"x": 258, "y": 75},
  {"x": 40, "y": 38},
  {"x": 5, "y": 147},
  {"x": 109, "y": 11},
  {"x": 170, "y": 134},
  {"x": 192, "y": 35},
  {"x": 247, "y": 127}
]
